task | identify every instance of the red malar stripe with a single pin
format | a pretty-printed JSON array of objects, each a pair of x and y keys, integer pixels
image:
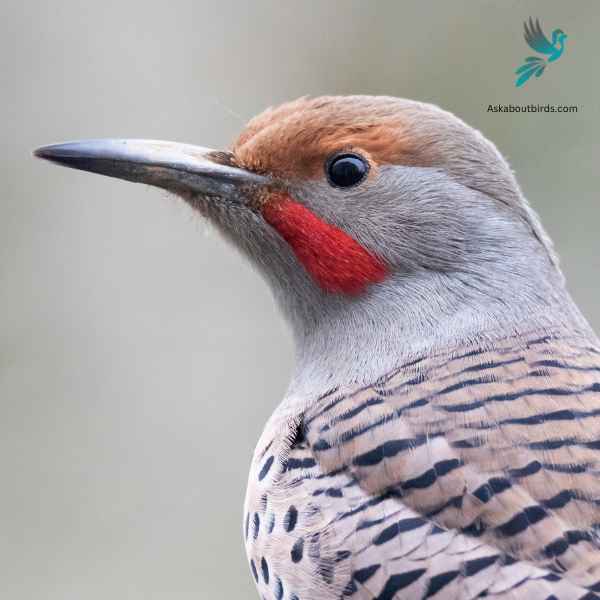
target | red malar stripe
[{"x": 336, "y": 261}]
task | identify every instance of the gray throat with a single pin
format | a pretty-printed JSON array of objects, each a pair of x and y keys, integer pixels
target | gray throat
[{"x": 346, "y": 342}]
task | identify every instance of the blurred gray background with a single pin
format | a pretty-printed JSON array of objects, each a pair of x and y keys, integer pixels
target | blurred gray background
[{"x": 139, "y": 355}]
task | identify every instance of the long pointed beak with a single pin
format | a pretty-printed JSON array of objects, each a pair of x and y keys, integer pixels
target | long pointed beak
[{"x": 169, "y": 165}]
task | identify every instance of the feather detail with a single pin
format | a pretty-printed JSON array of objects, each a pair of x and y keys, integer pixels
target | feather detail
[{"x": 462, "y": 474}]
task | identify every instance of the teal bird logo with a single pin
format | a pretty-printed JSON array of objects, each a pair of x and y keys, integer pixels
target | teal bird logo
[{"x": 535, "y": 38}]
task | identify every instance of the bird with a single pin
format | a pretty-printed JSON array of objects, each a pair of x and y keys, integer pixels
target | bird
[
  {"x": 535, "y": 38},
  {"x": 440, "y": 435}
]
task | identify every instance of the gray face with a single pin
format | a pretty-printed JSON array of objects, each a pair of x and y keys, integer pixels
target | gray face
[
  {"x": 419, "y": 220},
  {"x": 414, "y": 218}
]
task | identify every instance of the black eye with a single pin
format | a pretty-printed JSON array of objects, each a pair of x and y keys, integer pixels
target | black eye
[{"x": 346, "y": 170}]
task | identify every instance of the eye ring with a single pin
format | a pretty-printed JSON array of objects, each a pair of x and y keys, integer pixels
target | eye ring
[{"x": 346, "y": 169}]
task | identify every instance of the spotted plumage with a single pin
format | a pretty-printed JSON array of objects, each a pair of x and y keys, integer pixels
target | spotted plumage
[{"x": 472, "y": 472}]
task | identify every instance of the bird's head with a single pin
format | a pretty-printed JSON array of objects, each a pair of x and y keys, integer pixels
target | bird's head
[
  {"x": 558, "y": 36},
  {"x": 350, "y": 204}
]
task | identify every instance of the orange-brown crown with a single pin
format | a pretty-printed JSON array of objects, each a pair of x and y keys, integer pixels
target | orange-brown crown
[{"x": 295, "y": 139}]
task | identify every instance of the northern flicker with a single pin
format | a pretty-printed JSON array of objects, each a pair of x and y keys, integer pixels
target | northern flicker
[{"x": 440, "y": 437}]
